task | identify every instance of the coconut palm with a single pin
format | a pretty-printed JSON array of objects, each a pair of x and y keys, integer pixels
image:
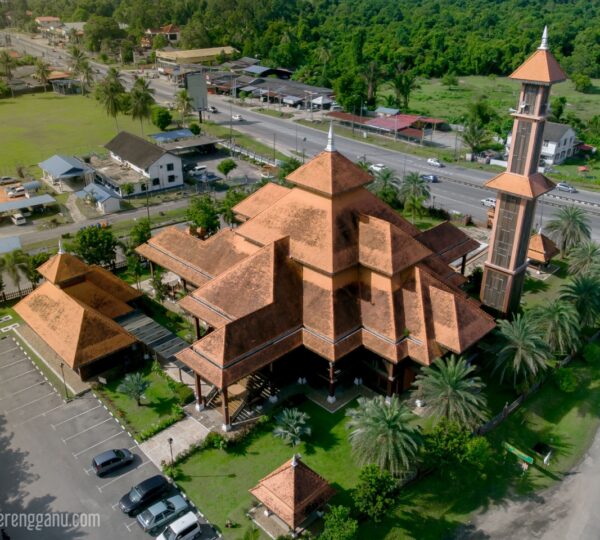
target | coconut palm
[
  {"x": 523, "y": 351},
  {"x": 42, "y": 72},
  {"x": 451, "y": 392},
  {"x": 583, "y": 292},
  {"x": 141, "y": 101},
  {"x": 183, "y": 103},
  {"x": 585, "y": 259},
  {"x": 291, "y": 426},
  {"x": 76, "y": 59},
  {"x": 413, "y": 204},
  {"x": 569, "y": 228},
  {"x": 413, "y": 185},
  {"x": 7, "y": 62},
  {"x": 134, "y": 385},
  {"x": 386, "y": 176},
  {"x": 475, "y": 136},
  {"x": 14, "y": 263},
  {"x": 109, "y": 93},
  {"x": 86, "y": 76},
  {"x": 560, "y": 325},
  {"x": 382, "y": 433}
]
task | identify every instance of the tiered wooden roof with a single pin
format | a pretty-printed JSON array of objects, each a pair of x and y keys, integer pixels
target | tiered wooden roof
[{"x": 541, "y": 248}]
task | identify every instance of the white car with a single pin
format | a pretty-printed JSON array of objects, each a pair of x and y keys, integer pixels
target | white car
[
  {"x": 563, "y": 186},
  {"x": 490, "y": 202},
  {"x": 237, "y": 117},
  {"x": 377, "y": 167},
  {"x": 434, "y": 162}
]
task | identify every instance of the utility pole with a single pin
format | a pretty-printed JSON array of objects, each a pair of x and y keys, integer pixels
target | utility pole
[{"x": 274, "y": 153}]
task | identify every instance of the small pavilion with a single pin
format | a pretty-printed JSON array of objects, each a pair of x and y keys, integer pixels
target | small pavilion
[
  {"x": 291, "y": 494},
  {"x": 541, "y": 249}
]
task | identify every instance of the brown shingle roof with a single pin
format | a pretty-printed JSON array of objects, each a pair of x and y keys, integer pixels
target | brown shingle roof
[
  {"x": 62, "y": 268},
  {"x": 541, "y": 248},
  {"x": 293, "y": 491},
  {"x": 134, "y": 149},
  {"x": 531, "y": 186},
  {"x": 541, "y": 66},
  {"x": 448, "y": 241},
  {"x": 269, "y": 194}
]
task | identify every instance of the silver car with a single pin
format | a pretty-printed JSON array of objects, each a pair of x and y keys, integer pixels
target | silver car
[{"x": 160, "y": 514}]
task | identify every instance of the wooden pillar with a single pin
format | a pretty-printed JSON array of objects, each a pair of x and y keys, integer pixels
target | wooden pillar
[
  {"x": 391, "y": 372},
  {"x": 199, "y": 397},
  {"x": 184, "y": 285},
  {"x": 197, "y": 326},
  {"x": 463, "y": 264},
  {"x": 151, "y": 267},
  {"x": 226, "y": 419},
  {"x": 331, "y": 396},
  {"x": 272, "y": 391}
]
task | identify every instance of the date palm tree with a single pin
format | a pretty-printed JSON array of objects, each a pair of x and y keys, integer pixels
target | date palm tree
[
  {"x": 7, "y": 62},
  {"x": 523, "y": 352},
  {"x": 14, "y": 263},
  {"x": 413, "y": 192},
  {"x": 569, "y": 228},
  {"x": 141, "y": 101},
  {"x": 109, "y": 93},
  {"x": 292, "y": 426},
  {"x": 450, "y": 391},
  {"x": 183, "y": 103},
  {"x": 42, "y": 72},
  {"x": 584, "y": 259},
  {"x": 583, "y": 293},
  {"x": 133, "y": 386},
  {"x": 382, "y": 433},
  {"x": 560, "y": 325}
]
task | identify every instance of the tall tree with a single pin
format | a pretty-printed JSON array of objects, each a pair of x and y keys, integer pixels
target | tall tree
[
  {"x": 381, "y": 433},
  {"x": 109, "y": 92},
  {"x": 583, "y": 292},
  {"x": 559, "y": 322},
  {"x": 404, "y": 81},
  {"x": 86, "y": 76},
  {"x": 183, "y": 103},
  {"x": 14, "y": 263},
  {"x": 142, "y": 100},
  {"x": 95, "y": 245},
  {"x": 569, "y": 228},
  {"x": 475, "y": 136},
  {"x": 42, "y": 72},
  {"x": 203, "y": 212},
  {"x": 233, "y": 197},
  {"x": 7, "y": 62},
  {"x": 450, "y": 391},
  {"x": 33, "y": 262},
  {"x": 413, "y": 192},
  {"x": 584, "y": 259}
]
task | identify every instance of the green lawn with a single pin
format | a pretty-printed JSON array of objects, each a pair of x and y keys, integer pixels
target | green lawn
[
  {"x": 537, "y": 291},
  {"x": 434, "y": 99},
  {"x": 169, "y": 319},
  {"x": 569, "y": 172},
  {"x": 36, "y": 126},
  {"x": 273, "y": 112}
]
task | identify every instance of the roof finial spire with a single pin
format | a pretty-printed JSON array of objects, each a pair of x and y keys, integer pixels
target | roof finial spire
[
  {"x": 544, "y": 44},
  {"x": 295, "y": 460},
  {"x": 61, "y": 251},
  {"x": 330, "y": 144}
]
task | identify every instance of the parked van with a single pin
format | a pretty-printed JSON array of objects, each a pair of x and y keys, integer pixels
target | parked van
[
  {"x": 185, "y": 528},
  {"x": 18, "y": 219},
  {"x": 16, "y": 192}
]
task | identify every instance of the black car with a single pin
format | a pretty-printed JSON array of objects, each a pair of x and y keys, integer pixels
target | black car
[
  {"x": 111, "y": 460},
  {"x": 144, "y": 493},
  {"x": 430, "y": 178}
]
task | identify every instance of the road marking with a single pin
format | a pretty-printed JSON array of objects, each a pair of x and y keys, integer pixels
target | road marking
[
  {"x": 54, "y": 426},
  {"x": 17, "y": 376},
  {"x": 15, "y": 363},
  {"x": 41, "y": 414},
  {"x": 128, "y": 527},
  {"x": 97, "y": 444},
  {"x": 39, "y": 383},
  {"x": 86, "y": 429},
  {"x": 100, "y": 488},
  {"x": 30, "y": 403},
  {"x": 8, "y": 350}
]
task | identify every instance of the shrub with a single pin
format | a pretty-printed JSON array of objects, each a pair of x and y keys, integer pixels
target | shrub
[
  {"x": 215, "y": 440},
  {"x": 339, "y": 525},
  {"x": 177, "y": 415},
  {"x": 376, "y": 492},
  {"x": 566, "y": 380},
  {"x": 591, "y": 353},
  {"x": 194, "y": 128}
]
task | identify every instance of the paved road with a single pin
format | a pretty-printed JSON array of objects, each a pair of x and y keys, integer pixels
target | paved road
[{"x": 568, "y": 511}]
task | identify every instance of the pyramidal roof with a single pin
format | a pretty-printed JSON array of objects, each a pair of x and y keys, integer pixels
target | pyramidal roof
[
  {"x": 541, "y": 66},
  {"x": 62, "y": 267},
  {"x": 541, "y": 248}
]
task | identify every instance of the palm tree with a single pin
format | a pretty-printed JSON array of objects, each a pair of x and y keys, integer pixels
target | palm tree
[
  {"x": 475, "y": 136},
  {"x": 583, "y": 292},
  {"x": 7, "y": 62},
  {"x": 86, "y": 76},
  {"x": 584, "y": 259},
  {"x": 76, "y": 59},
  {"x": 523, "y": 351},
  {"x": 559, "y": 323},
  {"x": 569, "y": 228},
  {"x": 141, "y": 101},
  {"x": 134, "y": 385},
  {"x": 382, "y": 433},
  {"x": 413, "y": 192},
  {"x": 183, "y": 103},
  {"x": 386, "y": 176},
  {"x": 109, "y": 93},
  {"x": 451, "y": 392},
  {"x": 291, "y": 426},
  {"x": 41, "y": 72},
  {"x": 404, "y": 81},
  {"x": 15, "y": 265}
]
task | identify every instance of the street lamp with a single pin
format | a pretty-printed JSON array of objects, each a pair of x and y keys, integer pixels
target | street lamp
[
  {"x": 62, "y": 370},
  {"x": 170, "y": 441}
]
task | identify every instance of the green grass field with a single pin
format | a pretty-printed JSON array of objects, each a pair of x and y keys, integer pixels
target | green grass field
[
  {"x": 36, "y": 126},
  {"x": 434, "y": 99}
]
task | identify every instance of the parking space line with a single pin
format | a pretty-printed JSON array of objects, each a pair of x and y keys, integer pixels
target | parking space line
[
  {"x": 97, "y": 444},
  {"x": 41, "y": 414},
  {"x": 54, "y": 426},
  {"x": 39, "y": 383},
  {"x": 128, "y": 526},
  {"x": 100, "y": 488},
  {"x": 7, "y": 351},
  {"x": 86, "y": 429},
  {"x": 15, "y": 363},
  {"x": 30, "y": 403},
  {"x": 17, "y": 376}
]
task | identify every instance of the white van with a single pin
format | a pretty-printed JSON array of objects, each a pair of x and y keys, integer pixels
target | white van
[
  {"x": 184, "y": 528},
  {"x": 16, "y": 192},
  {"x": 18, "y": 219}
]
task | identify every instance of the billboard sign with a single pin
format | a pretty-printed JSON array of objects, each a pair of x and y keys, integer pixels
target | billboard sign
[{"x": 196, "y": 87}]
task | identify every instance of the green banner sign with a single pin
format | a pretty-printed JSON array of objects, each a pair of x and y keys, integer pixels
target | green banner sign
[{"x": 521, "y": 455}]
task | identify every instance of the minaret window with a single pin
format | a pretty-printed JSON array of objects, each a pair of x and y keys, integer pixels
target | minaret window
[
  {"x": 520, "y": 146},
  {"x": 505, "y": 232},
  {"x": 530, "y": 93}
]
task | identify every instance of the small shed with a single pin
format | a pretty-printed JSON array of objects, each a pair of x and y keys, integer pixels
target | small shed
[
  {"x": 104, "y": 201},
  {"x": 60, "y": 168},
  {"x": 541, "y": 249}
]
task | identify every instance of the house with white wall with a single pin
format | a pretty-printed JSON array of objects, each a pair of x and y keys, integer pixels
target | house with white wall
[
  {"x": 140, "y": 164},
  {"x": 558, "y": 144}
]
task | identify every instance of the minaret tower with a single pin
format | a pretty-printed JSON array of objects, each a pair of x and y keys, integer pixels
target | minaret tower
[{"x": 521, "y": 184}]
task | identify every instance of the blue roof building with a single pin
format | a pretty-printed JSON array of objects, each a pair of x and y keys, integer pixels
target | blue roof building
[
  {"x": 59, "y": 168},
  {"x": 105, "y": 202}
]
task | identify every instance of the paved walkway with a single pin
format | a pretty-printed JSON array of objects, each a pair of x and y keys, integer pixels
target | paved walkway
[{"x": 71, "y": 204}]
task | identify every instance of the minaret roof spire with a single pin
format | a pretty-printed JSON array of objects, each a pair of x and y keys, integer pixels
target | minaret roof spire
[
  {"x": 544, "y": 44},
  {"x": 61, "y": 251},
  {"x": 330, "y": 142}
]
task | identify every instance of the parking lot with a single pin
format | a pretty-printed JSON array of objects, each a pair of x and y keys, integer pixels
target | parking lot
[{"x": 46, "y": 448}]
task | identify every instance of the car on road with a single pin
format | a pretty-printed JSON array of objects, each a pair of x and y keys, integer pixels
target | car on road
[
  {"x": 434, "y": 162},
  {"x": 489, "y": 202},
  {"x": 140, "y": 496},
  {"x": 198, "y": 170},
  {"x": 377, "y": 167},
  {"x": 7, "y": 180},
  {"x": 185, "y": 528},
  {"x": 212, "y": 109},
  {"x": 237, "y": 117},
  {"x": 111, "y": 460},
  {"x": 430, "y": 178},
  {"x": 162, "y": 513},
  {"x": 563, "y": 186}
]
